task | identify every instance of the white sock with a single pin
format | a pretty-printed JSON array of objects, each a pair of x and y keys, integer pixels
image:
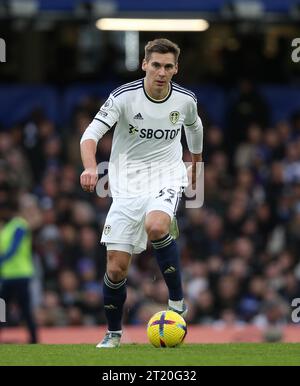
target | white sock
[
  {"x": 117, "y": 332},
  {"x": 177, "y": 304}
]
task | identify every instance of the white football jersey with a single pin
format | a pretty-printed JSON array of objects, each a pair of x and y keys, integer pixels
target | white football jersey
[{"x": 146, "y": 153}]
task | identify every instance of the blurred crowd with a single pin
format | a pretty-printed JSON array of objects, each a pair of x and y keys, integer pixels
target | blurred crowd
[{"x": 239, "y": 252}]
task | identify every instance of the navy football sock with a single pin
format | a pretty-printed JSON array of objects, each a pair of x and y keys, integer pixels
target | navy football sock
[
  {"x": 167, "y": 256},
  {"x": 114, "y": 296}
]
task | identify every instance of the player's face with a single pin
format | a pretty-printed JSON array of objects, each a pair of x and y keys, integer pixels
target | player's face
[{"x": 160, "y": 69}]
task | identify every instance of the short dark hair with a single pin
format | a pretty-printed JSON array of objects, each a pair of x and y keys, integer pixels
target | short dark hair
[{"x": 162, "y": 46}]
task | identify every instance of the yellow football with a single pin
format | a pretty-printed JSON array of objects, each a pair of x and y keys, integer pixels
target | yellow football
[{"x": 166, "y": 329}]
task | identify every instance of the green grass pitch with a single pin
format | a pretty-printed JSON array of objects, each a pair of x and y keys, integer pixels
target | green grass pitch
[{"x": 270, "y": 354}]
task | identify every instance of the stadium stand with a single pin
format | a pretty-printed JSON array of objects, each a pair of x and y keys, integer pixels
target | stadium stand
[{"x": 239, "y": 251}]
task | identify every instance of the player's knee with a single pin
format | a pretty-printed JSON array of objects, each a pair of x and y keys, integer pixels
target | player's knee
[
  {"x": 116, "y": 273},
  {"x": 156, "y": 231},
  {"x": 117, "y": 266}
]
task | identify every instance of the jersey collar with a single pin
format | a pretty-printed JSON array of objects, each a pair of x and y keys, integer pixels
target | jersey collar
[{"x": 158, "y": 100}]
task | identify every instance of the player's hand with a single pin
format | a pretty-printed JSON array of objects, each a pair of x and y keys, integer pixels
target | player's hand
[{"x": 88, "y": 179}]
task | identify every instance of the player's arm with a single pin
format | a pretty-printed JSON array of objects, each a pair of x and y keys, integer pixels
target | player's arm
[
  {"x": 194, "y": 137},
  {"x": 102, "y": 122},
  {"x": 194, "y": 172},
  {"x": 89, "y": 176}
]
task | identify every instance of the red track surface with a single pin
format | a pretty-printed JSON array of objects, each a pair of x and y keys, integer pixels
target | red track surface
[{"x": 137, "y": 334}]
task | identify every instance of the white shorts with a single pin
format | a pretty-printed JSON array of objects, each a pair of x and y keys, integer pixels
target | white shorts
[{"x": 125, "y": 221}]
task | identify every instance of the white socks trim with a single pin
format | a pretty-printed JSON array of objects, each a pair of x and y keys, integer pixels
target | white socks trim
[
  {"x": 117, "y": 332},
  {"x": 177, "y": 304}
]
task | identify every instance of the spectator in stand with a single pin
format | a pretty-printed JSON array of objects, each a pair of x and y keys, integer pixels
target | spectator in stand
[{"x": 248, "y": 108}]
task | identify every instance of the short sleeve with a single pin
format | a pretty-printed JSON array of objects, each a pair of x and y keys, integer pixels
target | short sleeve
[{"x": 110, "y": 111}]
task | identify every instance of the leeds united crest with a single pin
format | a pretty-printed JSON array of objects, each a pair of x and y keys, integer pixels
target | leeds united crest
[
  {"x": 174, "y": 116},
  {"x": 107, "y": 229}
]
